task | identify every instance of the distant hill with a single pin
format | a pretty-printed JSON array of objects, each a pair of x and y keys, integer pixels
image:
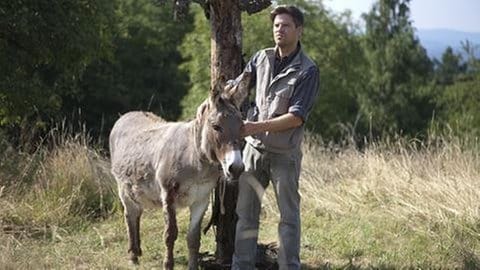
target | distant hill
[{"x": 435, "y": 41}]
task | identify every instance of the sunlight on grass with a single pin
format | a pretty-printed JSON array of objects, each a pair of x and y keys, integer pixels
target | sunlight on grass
[{"x": 390, "y": 205}]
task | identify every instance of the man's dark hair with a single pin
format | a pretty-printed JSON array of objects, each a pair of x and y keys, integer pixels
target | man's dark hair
[{"x": 296, "y": 14}]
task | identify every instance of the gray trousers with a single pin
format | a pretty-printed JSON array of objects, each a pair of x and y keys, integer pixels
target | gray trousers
[{"x": 283, "y": 170}]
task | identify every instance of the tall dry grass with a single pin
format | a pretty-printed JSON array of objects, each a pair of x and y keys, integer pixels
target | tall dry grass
[
  {"x": 395, "y": 203},
  {"x": 434, "y": 183},
  {"x": 63, "y": 183},
  {"x": 390, "y": 205}
]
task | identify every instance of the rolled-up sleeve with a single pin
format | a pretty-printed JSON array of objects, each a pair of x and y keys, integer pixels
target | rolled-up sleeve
[{"x": 305, "y": 93}]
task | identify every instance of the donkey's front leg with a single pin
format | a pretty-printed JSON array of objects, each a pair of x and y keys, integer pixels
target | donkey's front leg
[
  {"x": 171, "y": 230},
  {"x": 197, "y": 210}
]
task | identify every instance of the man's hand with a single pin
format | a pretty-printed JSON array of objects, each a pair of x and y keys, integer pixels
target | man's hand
[{"x": 249, "y": 128}]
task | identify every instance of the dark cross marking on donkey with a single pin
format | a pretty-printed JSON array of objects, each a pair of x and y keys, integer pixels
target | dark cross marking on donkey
[{"x": 176, "y": 164}]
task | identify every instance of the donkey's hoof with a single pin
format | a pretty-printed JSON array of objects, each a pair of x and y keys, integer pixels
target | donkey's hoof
[
  {"x": 168, "y": 265},
  {"x": 133, "y": 261}
]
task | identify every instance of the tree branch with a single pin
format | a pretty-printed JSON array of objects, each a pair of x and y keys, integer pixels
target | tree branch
[
  {"x": 180, "y": 9},
  {"x": 205, "y": 4},
  {"x": 254, "y": 6}
]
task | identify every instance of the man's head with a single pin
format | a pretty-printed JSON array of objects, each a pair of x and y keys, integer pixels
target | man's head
[{"x": 287, "y": 26}]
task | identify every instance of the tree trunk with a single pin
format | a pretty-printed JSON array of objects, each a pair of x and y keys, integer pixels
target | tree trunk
[
  {"x": 226, "y": 39},
  {"x": 226, "y": 63}
]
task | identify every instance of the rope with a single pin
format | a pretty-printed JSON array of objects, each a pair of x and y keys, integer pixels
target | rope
[{"x": 223, "y": 187}]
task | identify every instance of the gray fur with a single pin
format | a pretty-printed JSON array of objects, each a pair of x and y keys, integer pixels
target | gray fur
[{"x": 175, "y": 164}]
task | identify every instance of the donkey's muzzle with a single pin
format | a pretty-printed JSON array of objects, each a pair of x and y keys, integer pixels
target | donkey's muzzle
[{"x": 233, "y": 166}]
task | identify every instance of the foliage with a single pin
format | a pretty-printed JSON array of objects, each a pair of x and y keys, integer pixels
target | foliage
[
  {"x": 44, "y": 48},
  {"x": 195, "y": 48},
  {"x": 331, "y": 41},
  {"x": 458, "y": 91},
  {"x": 472, "y": 62},
  {"x": 398, "y": 65},
  {"x": 87, "y": 62},
  {"x": 197, "y": 43},
  {"x": 91, "y": 61},
  {"x": 257, "y": 33},
  {"x": 450, "y": 67},
  {"x": 327, "y": 39},
  {"x": 459, "y": 112},
  {"x": 142, "y": 74}
]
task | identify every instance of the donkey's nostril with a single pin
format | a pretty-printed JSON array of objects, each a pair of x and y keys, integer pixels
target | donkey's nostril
[
  {"x": 233, "y": 165},
  {"x": 236, "y": 170}
]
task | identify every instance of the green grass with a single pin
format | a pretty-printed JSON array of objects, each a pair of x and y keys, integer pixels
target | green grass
[
  {"x": 393, "y": 205},
  {"x": 101, "y": 245}
]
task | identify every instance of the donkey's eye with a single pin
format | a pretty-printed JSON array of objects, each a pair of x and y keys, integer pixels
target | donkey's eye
[{"x": 217, "y": 128}]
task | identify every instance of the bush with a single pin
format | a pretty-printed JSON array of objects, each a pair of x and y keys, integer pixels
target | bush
[{"x": 62, "y": 185}]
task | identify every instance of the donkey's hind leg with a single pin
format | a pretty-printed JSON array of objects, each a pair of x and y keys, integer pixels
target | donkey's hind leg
[
  {"x": 197, "y": 210},
  {"x": 171, "y": 229},
  {"x": 132, "y": 214}
]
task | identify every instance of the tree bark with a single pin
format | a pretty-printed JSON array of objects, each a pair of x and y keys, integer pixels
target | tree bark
[
  {"x": 226, "y": 39},
  {"x": 226, "y": 63}
]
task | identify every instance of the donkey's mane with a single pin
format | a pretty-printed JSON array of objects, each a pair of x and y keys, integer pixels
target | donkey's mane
[{"x": 198, "y": 125}]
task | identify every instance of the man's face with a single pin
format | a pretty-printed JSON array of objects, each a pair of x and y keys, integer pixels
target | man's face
[{"x": 285, "y": 33}]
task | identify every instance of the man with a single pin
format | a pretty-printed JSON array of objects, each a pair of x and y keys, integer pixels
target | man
[{"x": 286, "y": 83}]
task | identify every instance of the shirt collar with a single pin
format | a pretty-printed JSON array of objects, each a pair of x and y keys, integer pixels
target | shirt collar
[{"x": 288, "y": 58}]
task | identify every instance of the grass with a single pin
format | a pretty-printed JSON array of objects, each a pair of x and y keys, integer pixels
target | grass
[
  {"x": 392, "y": 205},
  {"x": 60, "y": 187}
]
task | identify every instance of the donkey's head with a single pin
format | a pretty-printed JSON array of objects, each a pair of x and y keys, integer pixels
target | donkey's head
[{"x": 222, "y": 120}]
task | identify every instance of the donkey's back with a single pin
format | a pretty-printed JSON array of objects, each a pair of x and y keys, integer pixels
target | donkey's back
[
  {"x": 130, "y": 127},
  {"x": 151, "y": 157}
]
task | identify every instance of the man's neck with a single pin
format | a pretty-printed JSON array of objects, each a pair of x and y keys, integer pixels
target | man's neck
[{"x": 286, "y": 51}]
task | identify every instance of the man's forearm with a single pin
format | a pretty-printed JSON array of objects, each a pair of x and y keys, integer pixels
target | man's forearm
[{"x": 280, "y": 123}]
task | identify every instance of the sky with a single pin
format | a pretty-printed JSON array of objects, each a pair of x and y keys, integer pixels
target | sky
[{"x": 461, "y": 15}]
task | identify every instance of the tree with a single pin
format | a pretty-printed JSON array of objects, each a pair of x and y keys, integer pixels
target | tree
[
  {"x": 398, "y": 66},
  {"x": 470, "y": 50},
  {"x": 197, "y": 42},
  {"x": 141, "y": 74},
  {"x": 225, "y": 63},
  {"x": 195, "y": 49},
  {"x": 332, "y": 42},
  {"x": 450, "y": 67},
  {"x": 457, "y": 102},
  {"x": 45, "y": 47},
  {"x": 458, "y": 107}
]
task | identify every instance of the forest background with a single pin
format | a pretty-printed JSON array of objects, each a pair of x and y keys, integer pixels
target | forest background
[{"x": 90, "y": 61}]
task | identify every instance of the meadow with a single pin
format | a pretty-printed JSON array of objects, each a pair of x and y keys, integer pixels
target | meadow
[{"x": 393, "y": 204}]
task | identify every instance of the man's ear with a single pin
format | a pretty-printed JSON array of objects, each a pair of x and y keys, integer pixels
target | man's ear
[{"x": 300, "y": 32}]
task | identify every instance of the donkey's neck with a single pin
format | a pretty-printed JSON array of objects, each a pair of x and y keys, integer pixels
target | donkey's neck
[{"x": 202, "y": 148}]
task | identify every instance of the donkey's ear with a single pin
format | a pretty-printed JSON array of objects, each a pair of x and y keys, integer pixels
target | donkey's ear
[
  {"x": 217, "y": 89},
  {"x": 202, "y": 109},
  {"x": 238, "y": 90}
]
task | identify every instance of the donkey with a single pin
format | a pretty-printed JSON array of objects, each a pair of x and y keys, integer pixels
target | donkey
[{"x": 177, "y": 164}]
